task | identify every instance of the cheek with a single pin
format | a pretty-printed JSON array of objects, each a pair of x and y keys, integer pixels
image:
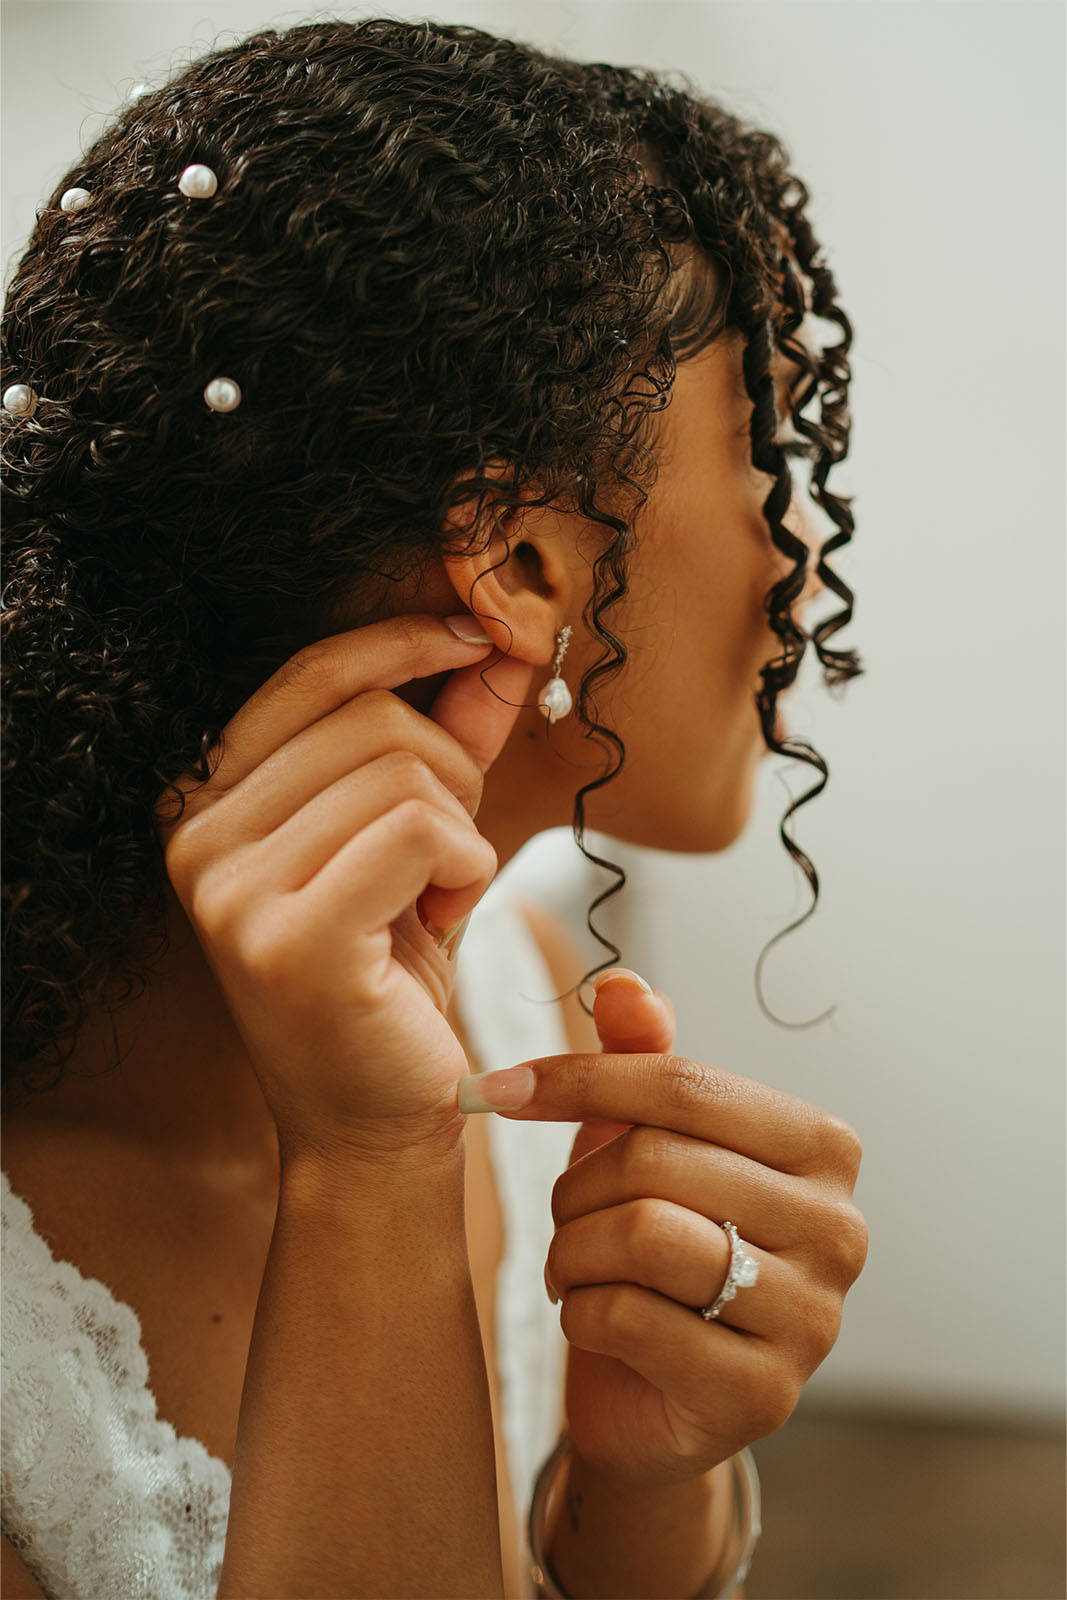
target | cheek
[{"x": 694, "y": 624}]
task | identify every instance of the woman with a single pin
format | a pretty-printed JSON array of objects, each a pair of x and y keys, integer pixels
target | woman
[{"x": 360, "y": 380}]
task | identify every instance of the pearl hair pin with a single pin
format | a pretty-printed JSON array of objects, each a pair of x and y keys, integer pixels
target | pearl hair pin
[
  {"x": 198, "y": 182},
  {"x": 223, "y": 394},
  {"x": 555, "y": 699},
  {"x": 20, "y": 400}
]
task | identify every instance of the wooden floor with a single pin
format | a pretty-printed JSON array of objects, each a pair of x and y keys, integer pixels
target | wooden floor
[{"x": 885, "y": 1508}]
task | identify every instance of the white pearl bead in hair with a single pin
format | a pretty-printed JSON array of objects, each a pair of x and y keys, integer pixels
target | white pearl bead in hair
[
  {"x": 74, "y": 199},
  {"x": 223, "y": 394},
  {"x": 20, "y": 400},
  {"x": 198, "y": 182},
  {"x": 137, "y": 91}
]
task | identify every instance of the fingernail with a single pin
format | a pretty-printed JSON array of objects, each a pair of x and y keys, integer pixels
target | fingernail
[
  {"x": 618, "y": 972},
  {"x": 450, "y": 940},
  {"x": 464, "y": 626},
  {"x": 551, "y": 1293},
  {"x": 497, "y": 1091}
]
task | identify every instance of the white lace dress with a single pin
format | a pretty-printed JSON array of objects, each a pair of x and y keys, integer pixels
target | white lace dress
[{"x": 100, "y": 1496}]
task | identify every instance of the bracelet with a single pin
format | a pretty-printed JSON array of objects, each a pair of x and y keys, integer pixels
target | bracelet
[{"x": 747, "y": 1527}]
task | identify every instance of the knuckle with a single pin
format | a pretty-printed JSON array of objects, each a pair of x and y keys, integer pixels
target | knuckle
[
  {"x": 687, "y": 1085},
  {"x": 822, "y": 1325},
  {"x": 264, "y": 951},
  {"x": 780, "y": 1402},
  {"x": 772, "y": 1398},
  {"x": 179, "y": 859},
  {"x": 413, "y": 630},
  {"x": 462, "y": 778},
  {"x": 211, "y": 908},
  {"x": 649, "y": 1223},
  {"x": 846, "y": 1239},
  {"x": 561, "y": 1203},
  {"x": 843, "y": 1141},
  {"x": 859, "y": 1244},
  {"x": 410, "y": 770},
  {"x": 643, "y": 1149},
  {"x": 418, "y": 820},
  {"x": 581, "y": 1077},
  {"x": 619, "y": 1314},
  {"x": 187, "y": 854},
  {"x": 383, "y": 707},
  {"x": 311, "y": 668}
]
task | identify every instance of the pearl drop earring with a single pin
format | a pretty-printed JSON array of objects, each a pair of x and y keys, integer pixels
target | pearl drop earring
[{"x": 555, "y": 699}]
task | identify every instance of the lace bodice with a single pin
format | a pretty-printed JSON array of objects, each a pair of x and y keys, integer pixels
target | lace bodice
[{"x": 100, "y": 1496}]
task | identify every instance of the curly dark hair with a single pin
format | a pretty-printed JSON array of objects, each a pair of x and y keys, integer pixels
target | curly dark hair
[{"x": 431, "y": 249}]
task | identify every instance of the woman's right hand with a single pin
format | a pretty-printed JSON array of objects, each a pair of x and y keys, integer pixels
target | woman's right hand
[{"x": 334, "y": 809}]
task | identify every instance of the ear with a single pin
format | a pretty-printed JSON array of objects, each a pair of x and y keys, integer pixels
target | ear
[{"x": 519, "y": 581}]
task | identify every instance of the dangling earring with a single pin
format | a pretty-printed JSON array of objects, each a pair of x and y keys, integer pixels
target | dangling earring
[{"x": 556, "y": 700}]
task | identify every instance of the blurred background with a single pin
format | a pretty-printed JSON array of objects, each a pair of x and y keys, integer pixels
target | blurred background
[{"x": 927, "y": 1455}]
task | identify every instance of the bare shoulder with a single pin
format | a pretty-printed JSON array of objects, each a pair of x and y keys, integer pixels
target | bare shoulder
[{"x": 566, "y": 968}]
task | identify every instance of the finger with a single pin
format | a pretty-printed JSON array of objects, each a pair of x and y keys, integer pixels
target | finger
[
  {"x": 384, "y": 869},
  {"x": 289, "y": 856},
  {"x": 714, "y": 1373},
  {"x": 365, "y": 731},
  {"x": 479, "y": 705},
  {"x": 669, "y": 1091},
  {"x": 322, "y": 677},
  {"x": 629, "y": 1015},
  {"x": 799, "y": 1220},
  {"x": 685, "y": 1256}
]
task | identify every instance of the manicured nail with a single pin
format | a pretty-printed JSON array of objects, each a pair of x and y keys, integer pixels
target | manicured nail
[
  {"x": 497, "y": 1091},
  {"x": 618, "y": 972},
  {"x": 467, "y": 627},
  {"x": 551, "y": 1293},
  {"x": 450, "y": 940}
]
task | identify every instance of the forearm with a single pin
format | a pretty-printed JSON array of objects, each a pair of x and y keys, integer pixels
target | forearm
[
  {"x": 604, "y": 1545},
  {"x": 364, "y": 1463}
]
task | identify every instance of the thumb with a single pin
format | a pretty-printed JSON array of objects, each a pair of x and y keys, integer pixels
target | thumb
[
  {"x": 481, "y": 711},
  {"x": 629, "y": 1017}
]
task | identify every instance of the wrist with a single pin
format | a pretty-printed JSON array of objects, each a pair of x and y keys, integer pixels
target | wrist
[
  {"x": 331, "y": 1164},
  {"x": 605, "y": 1541},
  {"x": 336, "y": 1184}
]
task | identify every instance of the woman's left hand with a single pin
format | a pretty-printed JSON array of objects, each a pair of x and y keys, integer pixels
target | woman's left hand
[{"x": 655, "y": 1393}]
